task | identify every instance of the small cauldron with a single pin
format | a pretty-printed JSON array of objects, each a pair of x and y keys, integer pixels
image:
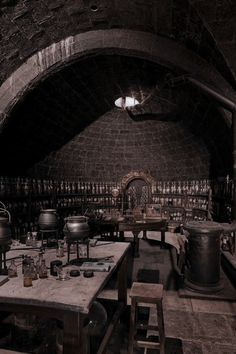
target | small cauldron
[
  {"x": 76, "y": 227},
  {"x": 5, "y": 228},
  {"x": 48, "y": 219}
]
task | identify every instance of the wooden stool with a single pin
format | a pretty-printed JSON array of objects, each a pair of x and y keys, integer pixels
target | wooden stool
[{"x": 146, "y": 293}]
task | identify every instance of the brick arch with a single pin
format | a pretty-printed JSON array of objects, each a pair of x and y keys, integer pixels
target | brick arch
[
  {"x": 125, "y": 181},
  {"x": 114, "y": 41}
]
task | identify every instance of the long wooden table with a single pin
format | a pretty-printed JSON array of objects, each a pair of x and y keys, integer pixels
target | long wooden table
[
  {"x": 143, "y": 225},
  {"x": 71, "y": 300},
  {"x": 116, "y": 229}
]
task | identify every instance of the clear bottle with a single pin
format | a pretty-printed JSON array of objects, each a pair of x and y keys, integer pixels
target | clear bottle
[
  {"x": 12, "y": 269},
  {"x": 43, "y": 272},
  {"x": 39, "y": 262},
  {"x": 27, "y": 280},
  {"x": 60, "y": 249},
  {"x": 28, "y": 241},
  {"x": 33, "y": 270}
]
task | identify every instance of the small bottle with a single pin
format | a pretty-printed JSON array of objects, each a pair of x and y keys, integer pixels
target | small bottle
[
  {"x": 34, "y": 239},
  {"x": 60, "y": 249},
  {"x": 39, "y": 262},
  {"x": 27, "y": 280},
  {"x": 33, "y": 270},
  {"x": 12, "y": 270},
  {"x": 43, "y": 272},
  {"x": 225, "y": 243},
  {"x": 25, "y": 262},
  {"x": 28, "y": 241}
]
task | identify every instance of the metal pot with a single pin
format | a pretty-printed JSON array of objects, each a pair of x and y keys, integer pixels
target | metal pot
[
  {"x": 5, "y": 229},
  {"x": 76, "y": 227},
  {"x": 48, "y": 219}
]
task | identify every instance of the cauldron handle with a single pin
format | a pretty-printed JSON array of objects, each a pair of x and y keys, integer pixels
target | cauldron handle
[
  {"x": 3, "y": 205},
  {"x": 6, "y": 211}
]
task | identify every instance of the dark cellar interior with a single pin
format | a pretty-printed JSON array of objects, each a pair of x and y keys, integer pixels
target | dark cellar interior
[{"x": 117, "y": 129}]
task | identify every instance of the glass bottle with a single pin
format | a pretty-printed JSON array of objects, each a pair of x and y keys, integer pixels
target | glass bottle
[
  {"x": 43, "y": 272},
  {"x": 25, "y": 262},
  {"x": 28, "y": 241},
  {"x": 39, "y": 262},
  {"x": 225, "y": 244},
  {"x": 60, "y": 249},
  {"x": 33, "y": 270},
  {"x": 34, "y": 239},
  {"x": 27, "y": 280},
  {"x": 12, "y": 269}
]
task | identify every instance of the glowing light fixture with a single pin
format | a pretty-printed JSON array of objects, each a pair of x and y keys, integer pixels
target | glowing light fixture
[{"x": 123, "y": 102}]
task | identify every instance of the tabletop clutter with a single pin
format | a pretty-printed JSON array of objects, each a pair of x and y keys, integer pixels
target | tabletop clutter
[{"x": 42, "y": 262}]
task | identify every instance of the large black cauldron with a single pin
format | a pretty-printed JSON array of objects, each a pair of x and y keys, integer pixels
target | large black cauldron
[
  {"x": 76, "y": 227},
  {"x": 48, "y": 219}
]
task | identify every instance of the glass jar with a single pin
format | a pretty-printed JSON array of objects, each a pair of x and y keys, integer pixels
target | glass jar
[
  {"x": 27, "y": 280},
  {"x": 43, "y": 272},
  {"x": 12, "y": 270}
]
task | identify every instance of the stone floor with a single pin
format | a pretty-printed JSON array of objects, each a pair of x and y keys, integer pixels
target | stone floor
[{"x": 192, "y": 326}]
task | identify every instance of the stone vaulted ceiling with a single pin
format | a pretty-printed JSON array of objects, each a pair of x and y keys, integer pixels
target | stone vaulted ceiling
[{"x": 47, "y": 117}]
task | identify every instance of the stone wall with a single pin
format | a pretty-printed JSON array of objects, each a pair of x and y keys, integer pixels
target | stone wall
[{"x": 114, "y": 145}]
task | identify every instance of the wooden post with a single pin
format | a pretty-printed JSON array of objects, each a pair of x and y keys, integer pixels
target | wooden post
[{"x": 234, "y": 161}]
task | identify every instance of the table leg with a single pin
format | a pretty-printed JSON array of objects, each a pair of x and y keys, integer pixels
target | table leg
[
  {"x": 75, "y": 339},
  {"x": 136, "y": 243},
  {"x": 163, "y": 239},
  {"x": 121, "y": 236},
  {"x": 122, "y": 281}
]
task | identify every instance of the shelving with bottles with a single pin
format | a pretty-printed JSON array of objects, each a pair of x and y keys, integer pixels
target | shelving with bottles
[
  {"x": 222, "y": 199},
  {"x": 183, "y": 201},
  {"x": 180, "y": 201},
  {"x": 25, "y": 197}
]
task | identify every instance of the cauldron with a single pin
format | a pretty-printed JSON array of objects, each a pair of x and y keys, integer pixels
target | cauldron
[
  {"x": 76, "y": 227},
  {"x": 5, "y": 229},
  {"x": 48, "y": 219}
]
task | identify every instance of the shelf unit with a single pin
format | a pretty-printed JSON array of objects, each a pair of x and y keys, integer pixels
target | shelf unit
[
  {"x": 180, "y": 201},
  {"x": 24, "y": 198}
]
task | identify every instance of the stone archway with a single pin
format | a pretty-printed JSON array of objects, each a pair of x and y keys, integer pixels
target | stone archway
[{"x": 123, "y": 42}]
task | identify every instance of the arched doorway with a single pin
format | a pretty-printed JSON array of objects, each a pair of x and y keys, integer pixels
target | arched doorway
[
  {"x": 137, "y": 194},
  {"x": 136, "y": 191}
]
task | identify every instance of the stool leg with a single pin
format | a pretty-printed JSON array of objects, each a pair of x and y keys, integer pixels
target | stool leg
[
  {"x": 132, "y": 326},
  {"x": 161, "y": 328}
]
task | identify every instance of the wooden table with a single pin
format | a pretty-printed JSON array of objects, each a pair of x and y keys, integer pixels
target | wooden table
[
  {"x": 143, "y": 225},
  {"x": 116, "y": 228},
  {"x": 68, "y": 301}
]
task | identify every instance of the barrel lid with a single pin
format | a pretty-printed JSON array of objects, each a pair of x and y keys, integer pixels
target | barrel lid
[{"x": 203, "y": 226}]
